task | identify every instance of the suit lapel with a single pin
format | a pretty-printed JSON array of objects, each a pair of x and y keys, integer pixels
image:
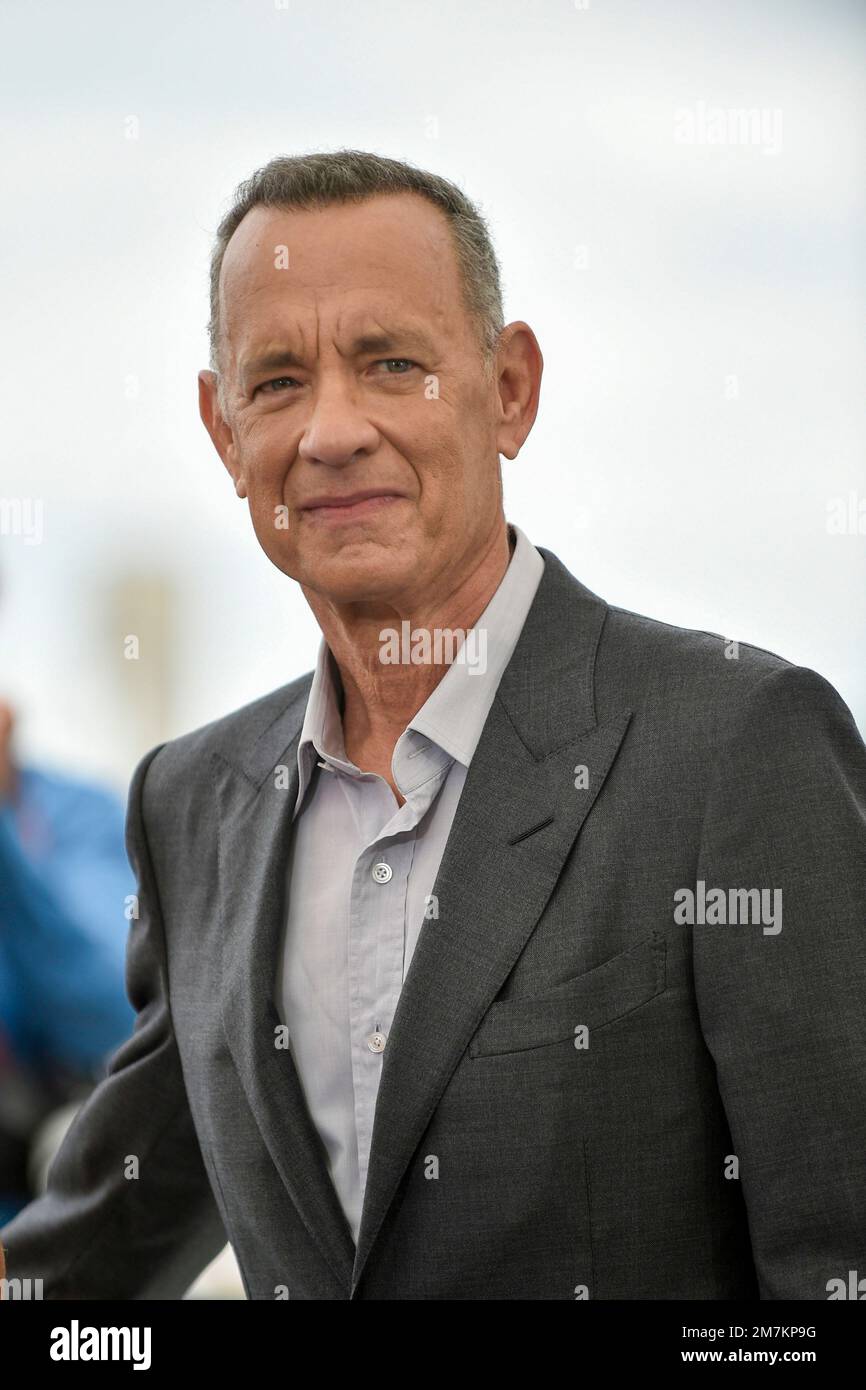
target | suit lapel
[
  {"x": 517, "y": 820},
  {"x": 255, "y": 818}
]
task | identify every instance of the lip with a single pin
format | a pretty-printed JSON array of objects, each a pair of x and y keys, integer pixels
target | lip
[{"x": 351, "y": 506}]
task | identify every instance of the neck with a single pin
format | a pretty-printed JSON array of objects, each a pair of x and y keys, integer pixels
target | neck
[{"x": 379, "y": 699}]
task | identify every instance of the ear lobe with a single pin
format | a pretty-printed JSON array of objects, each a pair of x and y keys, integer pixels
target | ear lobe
[{"x": 520, "y": 367}]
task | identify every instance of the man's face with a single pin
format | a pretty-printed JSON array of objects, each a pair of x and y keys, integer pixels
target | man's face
[{"x": 351, "y": 366}]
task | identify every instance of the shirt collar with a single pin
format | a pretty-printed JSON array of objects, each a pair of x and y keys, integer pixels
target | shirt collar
[{"x": 454, "y": 714}]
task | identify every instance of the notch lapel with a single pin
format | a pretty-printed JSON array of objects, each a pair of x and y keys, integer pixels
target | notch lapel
[{"x": 255, "y": 820}]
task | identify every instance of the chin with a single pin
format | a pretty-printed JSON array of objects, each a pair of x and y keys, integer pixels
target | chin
[{"x": 359, "y": 577}]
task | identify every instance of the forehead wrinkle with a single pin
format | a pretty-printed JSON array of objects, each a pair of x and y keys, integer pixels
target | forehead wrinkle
[
  {"x": 350, "y": 320},
  {"x": 273, "y": 336},
  {"x": 393, "y": 318}
]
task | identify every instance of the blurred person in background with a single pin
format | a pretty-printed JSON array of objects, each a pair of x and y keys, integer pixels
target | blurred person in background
[{"x": 65, "y": 885}]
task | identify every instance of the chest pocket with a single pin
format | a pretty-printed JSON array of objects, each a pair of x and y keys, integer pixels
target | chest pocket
[{"x": 594, "y": 999}]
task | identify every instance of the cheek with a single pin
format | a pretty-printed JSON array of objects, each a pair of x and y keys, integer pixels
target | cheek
[
  {"x": 265, "y": 458},
  {"x": 265, "y": 463}
]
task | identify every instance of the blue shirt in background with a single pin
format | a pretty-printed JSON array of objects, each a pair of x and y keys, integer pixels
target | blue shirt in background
[{"x": 65, "y": 882}]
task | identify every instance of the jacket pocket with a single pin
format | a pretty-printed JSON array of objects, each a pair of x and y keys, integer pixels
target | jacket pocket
[{"x": 593, "y": 999}]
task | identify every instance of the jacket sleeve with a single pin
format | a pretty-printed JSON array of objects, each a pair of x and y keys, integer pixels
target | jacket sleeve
[
  {"x": 782, "y": 1003},
  {"x": 128, "y": 1212}
]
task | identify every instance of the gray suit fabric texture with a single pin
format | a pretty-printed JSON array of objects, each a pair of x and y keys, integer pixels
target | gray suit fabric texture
[{"x": 581, "y": 1097}]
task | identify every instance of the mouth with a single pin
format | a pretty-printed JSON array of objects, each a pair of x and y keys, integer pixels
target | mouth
[{"x": 351, "y": 507}]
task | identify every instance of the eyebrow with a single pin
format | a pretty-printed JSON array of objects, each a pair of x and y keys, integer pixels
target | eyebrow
[{"x": 366, "y": 343}]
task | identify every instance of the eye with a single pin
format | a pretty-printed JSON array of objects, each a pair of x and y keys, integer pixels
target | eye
[
  {"x": 270, "y": 388},
  {"x": 401, "y": 361}
]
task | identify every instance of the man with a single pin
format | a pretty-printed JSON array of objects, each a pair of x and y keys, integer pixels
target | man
[{"x": 535, "y": 973}]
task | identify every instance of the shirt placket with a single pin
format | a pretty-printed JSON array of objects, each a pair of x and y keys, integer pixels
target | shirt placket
[{"x": 377, "y": 924}]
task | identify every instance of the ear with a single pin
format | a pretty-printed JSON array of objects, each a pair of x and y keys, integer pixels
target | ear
[
  {"x": 218, "y": 427},
  {"x": 519, "y": 365}
]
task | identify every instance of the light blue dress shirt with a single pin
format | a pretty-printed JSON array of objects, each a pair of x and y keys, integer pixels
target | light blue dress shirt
[{"x": 361, "y": 872}]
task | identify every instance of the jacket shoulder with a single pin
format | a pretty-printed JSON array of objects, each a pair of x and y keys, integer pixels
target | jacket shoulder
[
  {"x": 649, "y": 656},
  {"x": 708, "y": 686}
]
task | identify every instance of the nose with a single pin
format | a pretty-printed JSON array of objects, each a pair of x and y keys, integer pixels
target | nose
[{"x": 338, "y": 427}]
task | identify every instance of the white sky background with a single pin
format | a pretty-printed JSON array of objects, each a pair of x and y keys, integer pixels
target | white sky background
[{"x": 703, "y": 262}]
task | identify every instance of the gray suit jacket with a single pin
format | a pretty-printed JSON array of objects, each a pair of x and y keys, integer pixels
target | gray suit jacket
[{"x": 705, "y": 1139}]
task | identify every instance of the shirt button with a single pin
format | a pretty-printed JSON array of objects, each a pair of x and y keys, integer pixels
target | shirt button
[
  {"x": 382, "y": 872},
  {"x": 376, "y": 1042}
]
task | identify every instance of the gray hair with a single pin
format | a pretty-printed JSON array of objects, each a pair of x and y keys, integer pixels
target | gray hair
[{"x": 316, "y": 180}]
